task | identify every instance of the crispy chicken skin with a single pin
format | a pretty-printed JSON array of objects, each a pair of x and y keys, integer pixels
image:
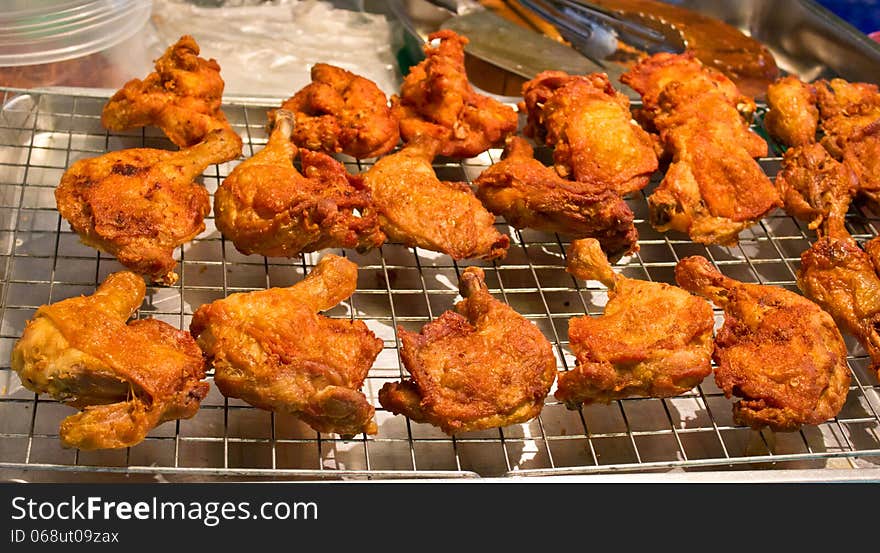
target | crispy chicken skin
[
  {"x": 713, "y": 188},
  {"x": 842, "y": 278},
  {"x": 653, "y": 74},
  {"x": 590, "y": 127},
  {"x": 777, "y": 350},
  {"x": 342, "y": 112},
  {"x": 813, "y": 184},
  {"x": 265, "y": 206},
  {"x": 417, "y": 209},
  {"x": 124, "y": 378},
  {"x": 272, "y": 349},
  {"x": 846, "y": 109},
  {"x": 437, "y": 100},
  {"x": 182, "y": 97},
  {"x": 529, "y": 194},
  {"x": 793, "y": 117},
  {"x": 480, "y": 366},
  {"x": 140, "y": 204},
  {"x": 653, "y": 340}
]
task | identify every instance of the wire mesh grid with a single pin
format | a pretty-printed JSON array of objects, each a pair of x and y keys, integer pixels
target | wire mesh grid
[{"x": 42, "y": 133}]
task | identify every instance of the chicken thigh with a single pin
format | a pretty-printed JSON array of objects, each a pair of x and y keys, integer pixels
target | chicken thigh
[
  {"x": 480, "y": 366},
  {"x": 529, "y": 194},
  {"x": 590, "y": 127},
  {"x": 140, "y": 204},
  {"x": 777, "y": 350},
  {"x": 273, "y": 349},
  {"x": 417, "y": 209},
  {"x": 266, "y": 206},
  {"x": 125, "y": 378},
  {"x": 652, "y": 340}
]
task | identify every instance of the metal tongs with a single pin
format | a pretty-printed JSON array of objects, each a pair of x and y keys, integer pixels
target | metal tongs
[{"x": 594, "y": 31}]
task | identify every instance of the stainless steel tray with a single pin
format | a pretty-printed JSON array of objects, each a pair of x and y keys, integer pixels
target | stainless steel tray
[{"x": 41, "y": 261}]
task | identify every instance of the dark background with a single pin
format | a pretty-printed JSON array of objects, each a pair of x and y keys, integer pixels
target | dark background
[{"x": 862, "y": 14}]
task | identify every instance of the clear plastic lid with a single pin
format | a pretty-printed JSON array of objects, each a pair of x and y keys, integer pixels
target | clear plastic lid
[{"x": 45, "y": 31}]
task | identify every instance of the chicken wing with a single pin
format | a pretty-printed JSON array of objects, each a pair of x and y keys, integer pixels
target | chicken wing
[
  {"x": 342, "y": 112},
  {"x": 653, "y": 339},
  {"x": 480, "y": 366},
  {"x": 713, "y": 188},
  {"x": 124, "y": 378},
  {"x": 266, "y": 206},
  {"x": 590, "y": 127},
  {"x": 813, "y": 184},
  {"x": 777, "y": 350},
  {"x": 140, "y": 204},
  {"x": 793, "y": 117},
  {"x": 182, "y": 97},
  {"x": 437, "y": 100},
  {"x": 417, "y": 209},
  {"x": 529, "y": 194},
  {"x": 272, "y": 349}
]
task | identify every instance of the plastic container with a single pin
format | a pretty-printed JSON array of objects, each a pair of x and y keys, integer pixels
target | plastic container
[{"x": 71, "y": 42}]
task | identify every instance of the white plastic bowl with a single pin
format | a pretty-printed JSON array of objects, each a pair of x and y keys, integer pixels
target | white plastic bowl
[{"x": 36, "y": 32}]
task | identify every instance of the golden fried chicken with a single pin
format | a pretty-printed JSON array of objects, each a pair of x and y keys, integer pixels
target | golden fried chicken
[
  {"x": 653, "y": 339},
  {"x": 272, "y": 349},
  {"x": 182, "y": 97},
  {"x": 437, "y": 100},
  {"x": 417, "y": 209},
  {"x": 713, "y": 188},
  {"x": 846, "y": 109},
  {"x": 813, "y": 184},
  {"x": 481, "y": 366},
  {"x": 590, "y": 127},
  {"x": 125, "y": 379},
  {"x": 342, "y": 112},
  {"x": 843, "y": 279},
  {"x": 793, "y": 117},
  {"x": 266, "y": 206},
  {"x": 777, "y": 350},
  {"x": 653, "y": 74},
  {"x": 140, "y": 204},
  {"x": 528, "y": 194},
  {"x": 861, "y": 154}
]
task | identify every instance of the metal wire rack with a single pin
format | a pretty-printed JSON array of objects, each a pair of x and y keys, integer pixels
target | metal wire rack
[{"x": 42, "y": 261}]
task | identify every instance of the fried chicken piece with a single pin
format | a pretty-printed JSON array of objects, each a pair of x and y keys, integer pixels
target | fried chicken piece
[
  {"x": 272, "y": 349},
  {"x": 793, "y": 117},
  {"x": 846, "y": 109},
  {"x": 777, "y": 350},
  {"x": 481, "y": 366},
  {"x": 713, "y": 188},
  {"x": 437, "y": 100},
  {"x": 843, "y": 279},
  {"x": 812, "y": 184},
  {"x": 417, "y": 209},
  {"x": 653, "y": 74},
  {"x": 342, "y": 112},
  {"x": 125, "y": 379},
  {"x": 529, "y": 194},
  {"x": 590, "y": 127},
  {"x": 266, "y": 206},
  {"x": 182, "y": 97},
  {"x": 140, "y": 204},
  {"x": 653, "y": 340}
]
